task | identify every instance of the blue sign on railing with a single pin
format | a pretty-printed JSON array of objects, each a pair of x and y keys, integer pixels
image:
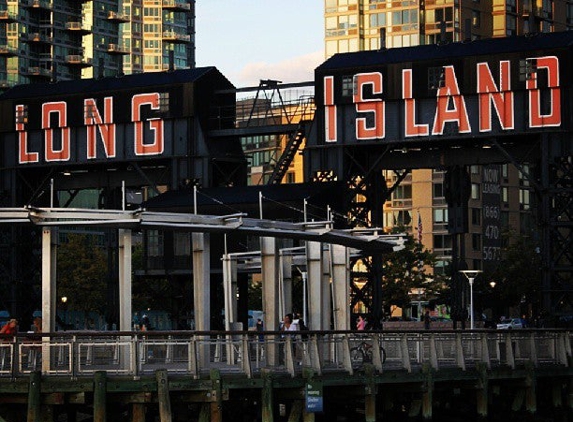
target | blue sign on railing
[{"x": 314, "y": 397}]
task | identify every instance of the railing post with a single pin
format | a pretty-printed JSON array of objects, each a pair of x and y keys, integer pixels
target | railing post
[
  {"x": 376, "y": 356},
  {"x": 193, "y": 358},
  {"x": 460, "y": 359},
  {"x": 405, "y": 353},
  {"x": 433, "y": 352},
  {"x": 510, "y": 358},
  {"x": 561, "y": 349},
  {"x": 133, "y": 356},
  {"x": 314, "y": 355},
  {"x": 289, "y": 359},
  {"x": 485, "y": 358},
  {"x": 246, "y": 360},
  {"x": 533, "y": 349},
  {"x": 345, "y": 352}
]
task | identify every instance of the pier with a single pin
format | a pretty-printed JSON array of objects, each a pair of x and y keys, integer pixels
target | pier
[{"x": 184, "y": 375}]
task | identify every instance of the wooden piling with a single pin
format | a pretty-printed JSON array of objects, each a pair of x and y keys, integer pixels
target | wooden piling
[
  {"x": 370, "y": 395},
  {"x": 163, "y": 396},
  {"x": 138, "y": 412},
  {"x": 427, "y": 395},
  {"x": 267, "y": 397},
  {"x": 216, "y": 396},
  {"x": 34, "y": 397},
  {"x": 482, "y": 390},
  {"x": 100, "y": 391}
]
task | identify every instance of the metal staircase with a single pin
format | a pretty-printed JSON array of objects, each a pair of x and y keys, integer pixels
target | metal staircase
[{"x": 288, "y": 154}]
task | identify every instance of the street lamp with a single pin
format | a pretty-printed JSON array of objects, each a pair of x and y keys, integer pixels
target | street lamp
[
  {"x": 64, "y": 300},
  {"x": 471, "y": 276}
]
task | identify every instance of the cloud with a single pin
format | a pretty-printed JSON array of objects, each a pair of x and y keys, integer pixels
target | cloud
[{"x": 296, "y": 69}]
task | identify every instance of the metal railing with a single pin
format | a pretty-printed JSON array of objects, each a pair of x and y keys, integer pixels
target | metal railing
[{"x": 76, "y": 354}]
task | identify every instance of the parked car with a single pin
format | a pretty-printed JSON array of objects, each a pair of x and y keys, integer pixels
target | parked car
[{"x": 509, "y": 324}]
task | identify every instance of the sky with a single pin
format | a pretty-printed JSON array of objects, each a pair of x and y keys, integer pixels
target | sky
[{"x": 250, "y": 40}]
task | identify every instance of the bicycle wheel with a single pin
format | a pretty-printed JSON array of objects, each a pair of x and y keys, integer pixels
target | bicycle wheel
[
  {"x": 382, "y": 354},
  {"x": 356, "y": 356}
]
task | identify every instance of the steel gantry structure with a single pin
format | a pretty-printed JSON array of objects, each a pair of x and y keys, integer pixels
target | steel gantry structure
[{"x": 314, "y": 233}]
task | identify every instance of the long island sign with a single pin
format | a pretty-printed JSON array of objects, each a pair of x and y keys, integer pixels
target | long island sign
[{"x": 431, "y": 92}]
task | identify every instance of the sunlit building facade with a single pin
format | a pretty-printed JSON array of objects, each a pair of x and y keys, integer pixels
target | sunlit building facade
[
  {"x": 354, "y": 25},
  {"x": 419, "y": 203},
  {"x": 52, "y": 40}
]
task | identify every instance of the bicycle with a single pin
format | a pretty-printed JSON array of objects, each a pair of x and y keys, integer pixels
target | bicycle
[{"x": 363, "y": 354}]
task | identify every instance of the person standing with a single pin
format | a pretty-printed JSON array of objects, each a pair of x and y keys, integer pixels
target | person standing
[
  {"x": 427, "y": 320},
  {"x": 360, "y": 323},
  {"x": 10, "y": 328}
]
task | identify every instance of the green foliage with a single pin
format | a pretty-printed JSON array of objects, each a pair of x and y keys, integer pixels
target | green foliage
[
  {"x": 518, "y": 275},
  {"x": 407, "y": 270},
  {"x": 81, "y": 273}
]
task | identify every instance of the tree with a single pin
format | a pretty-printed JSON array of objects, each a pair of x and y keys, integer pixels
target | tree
[
  {"x": 518, "y": 275},
  {"x": 407, "y": 270},
  {"x": 82, "y": 271}
]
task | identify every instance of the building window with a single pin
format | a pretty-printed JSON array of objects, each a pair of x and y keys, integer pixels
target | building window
[
  {"x": 443, "y": 243},
  {"x": 476, "y": 216},
  {"x": 504, "y": 194},
  {"x": 154, "y": 243},
  {"x": 524, "y": 199},
  {"x": 182, "y": 244},
  {"x": 347, "y": 86},
  {"x": 475, "y": 191},
  {"x": 440, "y": 215},
  {"x": 476, "y": 242},
  {"x": 475, "y": 19}
]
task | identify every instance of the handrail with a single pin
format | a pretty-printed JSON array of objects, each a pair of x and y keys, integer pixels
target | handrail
[{"x": 81, "y": 353}]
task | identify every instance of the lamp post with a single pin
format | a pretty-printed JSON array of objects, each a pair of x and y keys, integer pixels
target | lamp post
[
  {"x": 471, "y": 276},
  {"x": 64, "y": 301}
]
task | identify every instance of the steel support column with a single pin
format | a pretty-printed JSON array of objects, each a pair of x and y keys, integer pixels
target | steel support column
[
  {"x": 314, "y": 285},
  {"x": 125, "y": 280},
  {"x": 340, "y": 287},
  {"x": 270, "y": 275}
]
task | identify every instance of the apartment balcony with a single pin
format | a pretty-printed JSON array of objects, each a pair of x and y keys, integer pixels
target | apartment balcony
[
  {"x": 78, "y": 27},
  {"x": 39, "y": 71},
  {"x": 38, "y": 4},
  {"x": 117, "y": 17},
  {"x": 8, "y": 51},
  {"x": 8, "y": 17},
  {"x": 176, "y": 38},
  {"x": 117, "y": 49},
  {"x": 78, "y": 60},
  {"x": 36, "y": 37},
  {"x": 176, "y": 5}
]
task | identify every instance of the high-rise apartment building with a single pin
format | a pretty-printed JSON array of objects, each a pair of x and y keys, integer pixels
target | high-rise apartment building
[
  {"x": 52, "y": 40},
  {"x": 354, "y": 25},
  {"x": 420, "y": 200}
]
